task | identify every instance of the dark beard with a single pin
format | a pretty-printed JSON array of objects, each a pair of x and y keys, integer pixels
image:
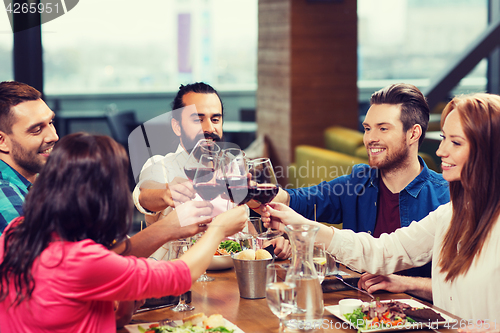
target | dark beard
[{"x": 189, "y": 144}]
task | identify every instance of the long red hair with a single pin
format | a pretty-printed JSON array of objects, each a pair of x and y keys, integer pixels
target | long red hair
[{"x": 475, "y": 197}]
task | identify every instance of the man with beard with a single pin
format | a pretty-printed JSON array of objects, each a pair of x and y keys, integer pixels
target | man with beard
[
  {"x": 396, "y": 188},
  {"x": 162, "y": 183},
  {"x": 27, "y": 136}
]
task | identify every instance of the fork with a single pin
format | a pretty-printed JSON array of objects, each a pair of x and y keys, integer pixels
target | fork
[
  {"x": 167, "y": 322},
  {"x": 340, "y": 278}
]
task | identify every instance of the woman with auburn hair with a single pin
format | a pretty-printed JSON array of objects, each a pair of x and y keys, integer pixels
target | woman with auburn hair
[
  {"x": 462, "y": 238},
  {"x": 57, "y": 273}
]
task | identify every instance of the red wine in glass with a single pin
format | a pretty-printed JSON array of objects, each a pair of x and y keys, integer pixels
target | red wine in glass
[
  {"x": 240, "y": 195},
  {"x": 265, "y": 193},
  {"x": 204, "y": 174},
  {"x": 190, "y": 173},
  {"x": 238, "y": 190},
  {"x": 262, "y": 175},
  {"x": 209, "y": 191}
]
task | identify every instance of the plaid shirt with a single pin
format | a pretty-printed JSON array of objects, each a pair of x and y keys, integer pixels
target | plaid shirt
[{"x": 13, "y": 190}]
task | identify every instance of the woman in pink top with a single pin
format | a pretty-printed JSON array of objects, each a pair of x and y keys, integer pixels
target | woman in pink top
[{"x": 57, "y": 273}]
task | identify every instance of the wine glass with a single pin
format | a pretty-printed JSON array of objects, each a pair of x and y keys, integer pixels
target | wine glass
[
  {"x": 263, "y": 187},
  {"x": 280, "y": 293},
  {"x": 204, "y": 146},
  {"x": 208, "y": 186},
  {"x": 205, "y": 182},
  {"x": 319, "y": 259},
  {"x": 258, "y": 231},
  {"x": 176, "y": 250},
  {"x": 203, "y": 277},
  {"x": 234, "y": 172}
]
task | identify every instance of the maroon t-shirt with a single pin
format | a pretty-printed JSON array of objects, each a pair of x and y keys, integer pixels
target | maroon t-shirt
[{"x": 388, "y": 218}]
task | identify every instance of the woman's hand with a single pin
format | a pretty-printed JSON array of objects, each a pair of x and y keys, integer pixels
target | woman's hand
[
  {"x": 186, "y": 221},
  {"x": 413, "y": 285},
  {"x": 226, "y": 224},
  {"x": 231, "y": 221},
  {"x": 193, "y": 212},
  {"x": 189, "y": 219},
  {"x": 277, "y": 216}
]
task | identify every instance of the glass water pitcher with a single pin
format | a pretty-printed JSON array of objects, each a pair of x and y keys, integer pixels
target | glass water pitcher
[{"x": 309, "y": 312}]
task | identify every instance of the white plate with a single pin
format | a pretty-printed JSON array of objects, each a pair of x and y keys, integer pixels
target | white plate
[
  {"x": 220, "y": 262},
  {"x": 334, "y": 310},
  {"x": 134, "y": 328}
]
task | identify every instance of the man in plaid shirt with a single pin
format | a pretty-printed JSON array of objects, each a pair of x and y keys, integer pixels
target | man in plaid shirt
[{"x": 27, "y": 136}]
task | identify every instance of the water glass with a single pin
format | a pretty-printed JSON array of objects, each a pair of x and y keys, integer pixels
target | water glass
[{"x": 280, "y": 294}]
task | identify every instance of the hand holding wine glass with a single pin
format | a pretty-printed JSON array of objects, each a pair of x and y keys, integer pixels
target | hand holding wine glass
[{"x": 264, "y": 187}]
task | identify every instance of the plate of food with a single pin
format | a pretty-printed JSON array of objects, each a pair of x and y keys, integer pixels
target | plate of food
[
  {"x": 382, "y": 316},
  {"x": 197, "y": 323},
  {"x": 222, "y": 257}
]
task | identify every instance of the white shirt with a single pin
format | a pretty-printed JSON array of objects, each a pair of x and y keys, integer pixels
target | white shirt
[
  {"x": 161, "y": 169},
  {"x": 475, "y": 295}
]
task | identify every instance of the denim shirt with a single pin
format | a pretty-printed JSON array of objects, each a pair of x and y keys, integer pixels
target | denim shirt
[
  {"x": 13, "y": 189},
  {"x": 352, "y": 199}
]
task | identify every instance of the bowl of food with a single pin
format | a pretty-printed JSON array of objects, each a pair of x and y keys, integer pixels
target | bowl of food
[
  {"x": 222, "y": 257},
  {"x": 220, "y": 262}
]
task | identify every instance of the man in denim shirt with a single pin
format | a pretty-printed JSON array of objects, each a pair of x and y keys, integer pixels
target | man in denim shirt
[{"x": 396, "y": 188}]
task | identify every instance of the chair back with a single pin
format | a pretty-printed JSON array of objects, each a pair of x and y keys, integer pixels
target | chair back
[
  {"x": 121, "y": 124},
  {"x": 153, "y": 137}
]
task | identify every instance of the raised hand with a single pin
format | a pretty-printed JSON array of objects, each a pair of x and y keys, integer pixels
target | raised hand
[
  {"x": 156, "y": 196},
  {"x": 194, "y": 212},
  {"x": 181, "y": 190},
  {"x": 231, "y": 221},
  {"x": 277, "y": 215}
]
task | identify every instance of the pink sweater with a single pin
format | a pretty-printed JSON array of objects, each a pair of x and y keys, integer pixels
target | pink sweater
[{"x": 77, "y": 282}]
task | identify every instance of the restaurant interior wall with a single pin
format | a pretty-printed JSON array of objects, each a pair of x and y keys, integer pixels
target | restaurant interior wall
[{"x": 306, "y": 73}]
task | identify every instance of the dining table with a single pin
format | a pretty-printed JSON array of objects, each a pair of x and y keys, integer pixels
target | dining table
[{"x": 221, "y": 296}]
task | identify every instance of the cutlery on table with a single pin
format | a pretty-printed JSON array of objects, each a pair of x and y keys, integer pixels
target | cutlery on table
[{"x": 340, "y": 278}]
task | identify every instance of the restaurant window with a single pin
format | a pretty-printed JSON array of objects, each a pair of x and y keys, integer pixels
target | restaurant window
[
  {"x": 415, "y": 40},
  {"x": 147, "y": 46},
  {"x": 6, "y": 43}
]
